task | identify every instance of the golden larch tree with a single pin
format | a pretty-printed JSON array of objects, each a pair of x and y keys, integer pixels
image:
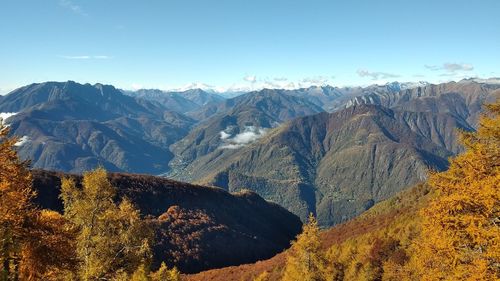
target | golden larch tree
[
  {"x": 165, "y": 274},
  {"x": 460, "y": 239},
  {"x": 112, "y": 238},
  {"x": 306, "y": 260},
  {"x": 16, "y": 209},
  {"x": 48, "y": 253}
]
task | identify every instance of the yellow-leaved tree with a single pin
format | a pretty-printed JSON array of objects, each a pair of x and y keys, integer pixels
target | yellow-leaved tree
[
  {"x": 306, "y": 260},
  {"x": 16, "y": 209},
  {"x": 460, "y": 238},
  {"x": 165, "y": 274},
  {"x": 34, "y": 245},
  {"x": 111, "y": 238},
  {"x": 142, "y": 273}
]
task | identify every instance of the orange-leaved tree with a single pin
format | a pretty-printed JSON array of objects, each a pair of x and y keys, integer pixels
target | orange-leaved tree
[
  {"x": 16, "y": 208},
  {"x": 34, "y": 244},
  {"x": 460, "y": 238}
]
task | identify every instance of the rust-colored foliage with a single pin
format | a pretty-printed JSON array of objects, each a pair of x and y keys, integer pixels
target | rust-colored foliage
[
  {"x": 353, "y": 246},
  {"x": 183, "y": 233},
  {"x": 50, "y": 253},
  {"x": 200, "y": 227}
]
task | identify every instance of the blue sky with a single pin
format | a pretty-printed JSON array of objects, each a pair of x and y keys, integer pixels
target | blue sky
[{"x": 246, "y": 43}]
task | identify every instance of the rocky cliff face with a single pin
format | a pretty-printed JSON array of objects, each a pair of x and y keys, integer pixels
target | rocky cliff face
[{"x": 461, "y": 99}]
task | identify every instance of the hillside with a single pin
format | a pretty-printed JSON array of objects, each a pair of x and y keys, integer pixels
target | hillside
[
  {"x": 74, "y": 127},
  {"x": 443, "y": 229},
  {"x": 199, "y": 227},
  {"x": 336, "y": 165},
  {"x": 395, "y": 217},
  {"x": 236, "y": 122}
]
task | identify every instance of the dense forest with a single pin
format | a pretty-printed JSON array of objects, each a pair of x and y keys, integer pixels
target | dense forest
[{"x": 444, "y": 229}]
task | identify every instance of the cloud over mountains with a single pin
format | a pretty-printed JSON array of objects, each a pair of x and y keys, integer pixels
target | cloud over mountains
[{"x": 250, "y": 134}]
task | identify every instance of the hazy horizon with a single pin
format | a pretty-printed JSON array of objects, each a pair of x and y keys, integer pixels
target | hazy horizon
[{"x": 492, "y": 80}]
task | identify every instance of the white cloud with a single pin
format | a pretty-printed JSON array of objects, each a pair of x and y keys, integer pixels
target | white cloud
[
  {"x": 250, "y": 78},
  {"x": 224, "y": 135},
  {"x": 7, "y": 90},
  {"x": 375, "y": 75},
  {"x": 5, "y": 115},
  {"x": 68, "y": 4},
  {"x": 280, "y": 79},
  {"x": 190, "y": 86},
  {"x": 253, "y": 83},
  {"x": 247, "y": 137},
  {"x": 316, "y": 80},
  {"x": 22, "y": 141},
  {"x": 451, "y": 67},
  {"x": 489, "y": 80},
  {"x": 250, "y": 134},
  {"x": 136, "y": 86}
]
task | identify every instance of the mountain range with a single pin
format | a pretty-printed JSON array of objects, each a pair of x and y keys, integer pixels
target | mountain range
[
  {"x": 236, "y": 122},
  {"x": 74, "y": 127},
  {"x": 327, "y": 150},
  {"x": 183, "y": 102},
  {"x": 337, "y": 165}
]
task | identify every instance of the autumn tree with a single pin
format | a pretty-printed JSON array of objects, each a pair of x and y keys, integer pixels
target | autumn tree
[
  {"x": 306, "y": 261},
  {"x": 460, "y": 238},
  {"x": 111, "y": 237},
  {"x": 48, "y": 252},
  {"x": 16, "y": 208},
  {"x": 165, "y": 274},
  {"x": 142, "y": 273},
  {"x": 34, "y": 244}
]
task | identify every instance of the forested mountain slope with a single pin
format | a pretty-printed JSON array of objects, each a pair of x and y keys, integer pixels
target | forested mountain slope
[{"x": 198, "y": 227}]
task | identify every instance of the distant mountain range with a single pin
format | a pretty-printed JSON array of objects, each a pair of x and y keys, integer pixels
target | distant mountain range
[
  {"x": 337, "y": 165},
  {"x": 236, "y": 122},
  {"x": 74, "y": 127},
  {"x": 183, "y": 102},
  {"x": 327, "y": 150}
]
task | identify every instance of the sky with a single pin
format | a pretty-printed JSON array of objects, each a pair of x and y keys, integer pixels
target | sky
[{"x": 240, "y": 44}]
